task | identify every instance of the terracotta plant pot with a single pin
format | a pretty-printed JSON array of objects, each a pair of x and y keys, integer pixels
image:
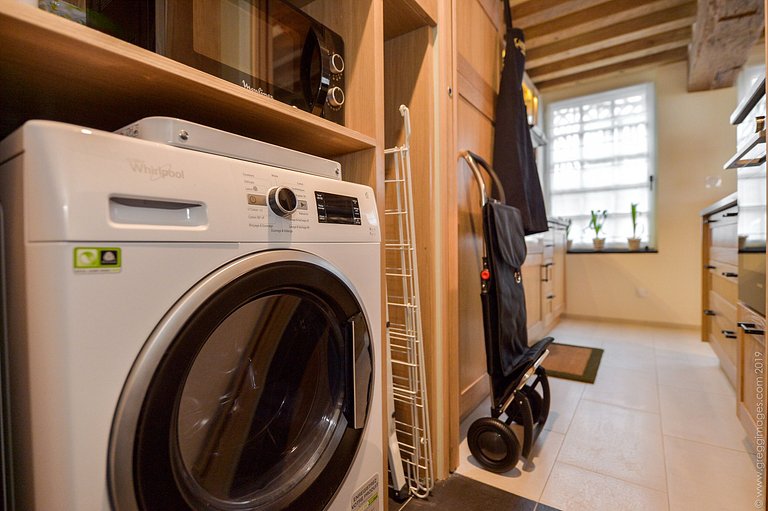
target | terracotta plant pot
[
  {"x": 598, "y": 243},
  {"x": 634, "y": 244}
]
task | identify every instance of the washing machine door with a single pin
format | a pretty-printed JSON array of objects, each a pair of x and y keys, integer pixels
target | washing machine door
[{"x": 252, "y": 393}]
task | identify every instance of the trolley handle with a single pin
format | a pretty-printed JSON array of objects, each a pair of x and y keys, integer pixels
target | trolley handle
[{"x": 473, "y": 160}]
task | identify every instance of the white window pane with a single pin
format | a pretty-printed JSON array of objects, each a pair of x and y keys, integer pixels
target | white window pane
[{"x": 600, "y": 158}]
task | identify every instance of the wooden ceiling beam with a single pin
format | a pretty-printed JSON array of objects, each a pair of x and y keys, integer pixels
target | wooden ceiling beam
[
  {"x": 620, "y": 33},
  {"x": 724, "y": 33},
  {"x": 666, "y": 57},
  {"x": 678, "y": 38},
  {"x": 591, "y": 19},
  {"x": 536, "y": 12}
]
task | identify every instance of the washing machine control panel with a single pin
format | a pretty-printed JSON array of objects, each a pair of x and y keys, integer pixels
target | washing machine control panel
[
  {"x": 294, "y": 206},
  {"x": 333, "y": 208}
]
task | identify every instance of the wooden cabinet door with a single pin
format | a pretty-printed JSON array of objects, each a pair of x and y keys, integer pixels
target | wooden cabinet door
[
  {"x": 751, "y": 370},
  {"x": 558, "y": 276},
  {"x": 478, "y": 47},
  {"x": 532, "y": 271}
]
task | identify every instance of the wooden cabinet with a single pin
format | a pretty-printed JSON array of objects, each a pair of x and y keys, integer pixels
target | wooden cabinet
[
  {"x": 720, "y": 282},
  {"x": 553, "y": 275},
  {"x": 751, "y": 371},
  {"x": 534, "y": 291}
]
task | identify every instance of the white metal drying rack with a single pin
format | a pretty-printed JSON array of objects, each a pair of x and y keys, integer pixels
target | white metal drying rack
[{"x": 409, "y": 438}]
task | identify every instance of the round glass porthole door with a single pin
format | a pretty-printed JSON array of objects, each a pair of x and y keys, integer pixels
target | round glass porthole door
[{"x": 260, "y": 398}]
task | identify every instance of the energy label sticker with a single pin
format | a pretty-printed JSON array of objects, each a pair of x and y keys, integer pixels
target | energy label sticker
[
  {"x": 367, "y": 497},
  {"x": 97, "y": 260}
]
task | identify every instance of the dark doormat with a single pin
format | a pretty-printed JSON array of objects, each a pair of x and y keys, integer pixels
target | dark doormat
[
  {"x": 459, "y": 493},
  {"x": 573, "y": 362}
]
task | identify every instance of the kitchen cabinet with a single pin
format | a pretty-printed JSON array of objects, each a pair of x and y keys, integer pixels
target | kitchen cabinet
[
  {"x": 553, "y": 274},
  {"x": 720, "y": 282},
  {"x": 532, "y": 271},
  {"x": 751, "y": 371}
]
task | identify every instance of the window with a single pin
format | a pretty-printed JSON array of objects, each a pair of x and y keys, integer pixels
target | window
[{"x": 600, "y": 156}]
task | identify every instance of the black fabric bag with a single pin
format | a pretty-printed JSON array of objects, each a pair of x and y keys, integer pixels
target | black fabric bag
[
  {"x": 514, "y": 158},
  {"x": 506, "y": 334}
]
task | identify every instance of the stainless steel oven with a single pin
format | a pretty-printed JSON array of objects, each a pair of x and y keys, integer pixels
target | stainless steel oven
[{"x": 269, "y": 47}]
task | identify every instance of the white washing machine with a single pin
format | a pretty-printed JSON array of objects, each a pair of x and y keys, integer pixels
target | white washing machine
[{"x": 185, "y": 331}]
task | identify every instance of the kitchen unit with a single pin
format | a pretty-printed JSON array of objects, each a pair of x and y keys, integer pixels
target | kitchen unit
[
  {"x": 749, "y": 164},
  {"x": 719, "y": 282}
]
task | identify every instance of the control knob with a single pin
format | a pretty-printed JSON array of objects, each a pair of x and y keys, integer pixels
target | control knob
[
  {"x": 335, "y": 97},
  {"x": 337, "y": 64},
  {"x": 282, "y": 201}
]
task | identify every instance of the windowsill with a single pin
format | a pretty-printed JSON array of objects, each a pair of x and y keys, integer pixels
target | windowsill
[{"x": 612, "y": 251}]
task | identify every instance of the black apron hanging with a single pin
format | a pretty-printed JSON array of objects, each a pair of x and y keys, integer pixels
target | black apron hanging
[{"x": 513, "y": 154}]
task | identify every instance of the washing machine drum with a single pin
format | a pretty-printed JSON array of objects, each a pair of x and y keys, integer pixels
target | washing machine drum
[{"x": 251, "y": 394}]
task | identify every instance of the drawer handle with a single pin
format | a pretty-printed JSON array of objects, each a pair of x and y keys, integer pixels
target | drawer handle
[
  {"x": 709, "y": 312},
  {"x": 732, "y": 213},
  {"x": 729, "y": 334},
  {"x": 549, "y": 245},
  {"x": 549, "y": 297},
  {"x": 711, "y": 267},
  {"x": 729, "y": 274},
  {"x": 750, "y": 329},
  {"x": 710, "y": 221}
]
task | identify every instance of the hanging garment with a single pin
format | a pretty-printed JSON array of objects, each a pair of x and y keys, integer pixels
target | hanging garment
[{"x": 513, "y": 155}]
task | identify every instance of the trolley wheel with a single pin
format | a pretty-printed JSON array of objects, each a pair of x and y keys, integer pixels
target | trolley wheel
[
  {"x": 536, "y": 402},
  {"x": 493, "y": 444}
]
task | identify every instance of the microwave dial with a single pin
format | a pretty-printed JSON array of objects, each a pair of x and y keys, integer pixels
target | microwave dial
[
  {"x": 282, "y": 201},
  {"x": 337, "y": 64},
  {"x": 335, "y": 97}
]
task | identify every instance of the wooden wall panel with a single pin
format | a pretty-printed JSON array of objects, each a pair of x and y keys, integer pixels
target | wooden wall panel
[
  {"x": 477, "y": 69},
  {"x": 478, "y": 39},
  {"x": 410, "y": 81},
  {"x": 475, "y": 132}
]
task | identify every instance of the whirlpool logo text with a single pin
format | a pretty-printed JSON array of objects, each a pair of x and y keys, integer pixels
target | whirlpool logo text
[{"x": 155, "y": 172}]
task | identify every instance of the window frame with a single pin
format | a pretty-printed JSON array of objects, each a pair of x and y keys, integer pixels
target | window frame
[{"x": 649, "y": 245}]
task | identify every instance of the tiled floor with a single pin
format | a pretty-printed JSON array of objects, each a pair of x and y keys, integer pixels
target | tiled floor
[{"x": 657, "y": 430}]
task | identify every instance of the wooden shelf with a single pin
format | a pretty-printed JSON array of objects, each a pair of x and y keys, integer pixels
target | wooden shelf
[
  {"x": 403, "y": 16},
  {"x": 748, "y": 103},
  {"x": 53, "y": 68},
  {"x": 744, "y": 158}
]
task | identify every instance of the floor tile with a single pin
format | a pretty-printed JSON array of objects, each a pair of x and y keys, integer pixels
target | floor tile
[
  {"x": 692, "y": 371},
  {"x": 527, "y": 479},
  {"x": 681, "y": 344},
  {"x": 574, "y": 489},
  {"x": 627, "y": 355},
  {"x": 564, "y": 398},
  {"x": 616, "y": 442},
  {"x": 625, "y": 387},
  {"x": 701, "y": 416},
  {"x": 707, "y": 478}
]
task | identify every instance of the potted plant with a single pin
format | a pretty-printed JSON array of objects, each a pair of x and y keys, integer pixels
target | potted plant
[
  {"x": 596, "y": 222},
  {"x": 568, "y": 240},
  {"x": 634, "y": 241}
]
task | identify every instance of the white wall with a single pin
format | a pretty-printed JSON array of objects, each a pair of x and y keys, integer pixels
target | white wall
[{"x": 694, "y": 139}]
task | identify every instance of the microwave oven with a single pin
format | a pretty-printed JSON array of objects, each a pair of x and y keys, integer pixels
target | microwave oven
[{"x": 268, "y": 47}]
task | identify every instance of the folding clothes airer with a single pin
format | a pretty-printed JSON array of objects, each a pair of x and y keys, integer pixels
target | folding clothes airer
[{"x": 410, "y": 452}]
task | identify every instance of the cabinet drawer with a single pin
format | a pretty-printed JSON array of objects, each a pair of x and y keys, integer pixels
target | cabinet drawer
[
  {"x": 724, "y": 242},
  {"x": 722, "y": 308},
  {"x": 724, "y": 333},
  {"x": 726, "y": 287}
]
